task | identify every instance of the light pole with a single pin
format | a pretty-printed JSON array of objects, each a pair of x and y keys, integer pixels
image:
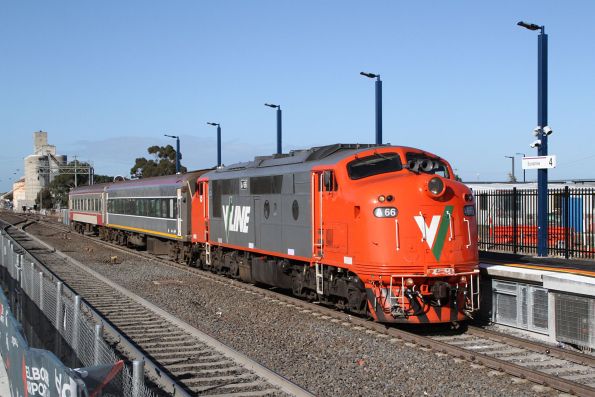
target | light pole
[
  {"x": 524, "y": 170},
  {"x": 279, "y": 131},
  {"x": 378, "y": 85},
  {"x": 542, "y": 133},
  {"x": 218, "y": 142},
  {"x": 177, "y": 138},
  {"x": 512, "y": 158}
]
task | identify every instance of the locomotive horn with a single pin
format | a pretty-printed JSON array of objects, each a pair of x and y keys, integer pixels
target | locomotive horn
[
  {"x": 413, "y": 165},
  {"x": 427, "y": 165}
]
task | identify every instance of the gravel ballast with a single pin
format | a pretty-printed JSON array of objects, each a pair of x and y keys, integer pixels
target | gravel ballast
[{"x": 329, "y": 358}]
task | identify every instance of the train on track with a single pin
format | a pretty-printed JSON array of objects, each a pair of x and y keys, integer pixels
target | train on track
[{"x": 377, "y": 230}]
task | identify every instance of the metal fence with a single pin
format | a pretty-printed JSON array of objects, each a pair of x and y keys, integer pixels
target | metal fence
[
  {"x": 72, "y": 319},
  {"x": 507, "y": 221}
]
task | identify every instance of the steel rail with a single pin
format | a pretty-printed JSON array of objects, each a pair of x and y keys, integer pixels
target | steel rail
[
  {"x": 577, "y": 358},
  {"x": 265, "y": 373},
  {"x": 156, "y": 373},
  {"x": 519, "y": 371}
]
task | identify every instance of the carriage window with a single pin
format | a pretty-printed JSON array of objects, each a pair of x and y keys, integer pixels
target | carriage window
[
  {"x": 171, "y": 208},
  {"x": 164, "y": 208},
  {"x": 378, "y": 163}
]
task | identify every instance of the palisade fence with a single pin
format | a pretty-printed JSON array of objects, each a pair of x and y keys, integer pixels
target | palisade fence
[
  {"x": 70, "y": 317},
  {"x": 507, "y": 221}
]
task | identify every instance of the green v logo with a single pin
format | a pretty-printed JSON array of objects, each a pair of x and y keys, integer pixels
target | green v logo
[{"x": 434, "y": 234}]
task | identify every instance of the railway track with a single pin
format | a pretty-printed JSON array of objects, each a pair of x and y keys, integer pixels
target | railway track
[
  {"x": 201, "y": 364},
  {"x": 560, "y": 369}
]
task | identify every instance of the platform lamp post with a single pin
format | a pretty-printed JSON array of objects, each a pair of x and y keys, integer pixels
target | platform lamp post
[
  {"x": 512, "y": 158},
  {"x": 524, "y": 170},
  {"x": 218, "y": 142},
  {"x": 541, "y": 132},
  {"x": 378, "y": 85},
  {"x": 177, "y": 138},
  {"x": 279, "y": 128}
]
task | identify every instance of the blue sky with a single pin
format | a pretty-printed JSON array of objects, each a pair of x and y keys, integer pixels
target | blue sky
[{"x": 107, "y": 79}]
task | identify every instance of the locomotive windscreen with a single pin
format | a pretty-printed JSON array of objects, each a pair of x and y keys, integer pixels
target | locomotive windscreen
[{"x": 378, "y": 163}]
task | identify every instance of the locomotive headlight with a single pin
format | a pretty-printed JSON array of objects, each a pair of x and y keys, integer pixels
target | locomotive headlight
[
  {"x": 381, "y": 198},
  {"x": 436, "y": 186},
  {"x": 409, "y": 282},
  {"x": 469, "y": 210}
]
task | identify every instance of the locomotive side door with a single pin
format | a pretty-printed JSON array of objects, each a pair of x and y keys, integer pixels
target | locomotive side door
[
  {"x": 323, "y": 186},
  {"x": 200, "y": 213},
  {"x": 317, "y": 221}
]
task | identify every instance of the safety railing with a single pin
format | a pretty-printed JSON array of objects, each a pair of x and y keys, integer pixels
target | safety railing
[
  {"x": 70, "y": 317},
  {"x": 507, "y": 221}
]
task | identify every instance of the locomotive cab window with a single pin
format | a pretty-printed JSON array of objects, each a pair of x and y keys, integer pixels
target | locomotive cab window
[
  {"x": 378, "y": 163},
  {"x": 328, "y": 181}
]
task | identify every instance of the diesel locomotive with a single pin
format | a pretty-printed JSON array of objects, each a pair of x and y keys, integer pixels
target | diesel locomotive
[{"x": 377, "y": 230}]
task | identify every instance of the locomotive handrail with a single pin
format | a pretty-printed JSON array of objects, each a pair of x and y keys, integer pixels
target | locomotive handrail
[
  {"x": 397, "y": 234},
  {"x": 468, "y": 231},
  {"x": 424, "y": 236},
  {"x": 451, "y": 237}
]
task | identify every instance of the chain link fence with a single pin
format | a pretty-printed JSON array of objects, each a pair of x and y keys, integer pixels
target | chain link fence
[{"x": 73, "y": 320}]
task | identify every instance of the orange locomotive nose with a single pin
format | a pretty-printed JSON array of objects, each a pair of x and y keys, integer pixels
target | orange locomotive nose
[{"x": 417, "y": 253}]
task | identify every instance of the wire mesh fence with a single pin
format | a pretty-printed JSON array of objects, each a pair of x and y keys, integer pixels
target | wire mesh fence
[
  {"x": 71, "y": 319},
  {"x": 507, "y": 221}
]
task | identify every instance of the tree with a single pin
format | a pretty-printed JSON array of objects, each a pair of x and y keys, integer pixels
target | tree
[
  {"x": 511, "y": 178},
  {"x": 164, "y": 163},
  {"x": 44, "y": 199}
]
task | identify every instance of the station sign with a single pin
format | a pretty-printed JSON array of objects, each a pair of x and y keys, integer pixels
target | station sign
[{"x": 538, "y": 162}]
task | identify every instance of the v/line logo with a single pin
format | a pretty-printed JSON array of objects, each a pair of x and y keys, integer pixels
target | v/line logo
[
  {"x": 435, "y": 232},
  {"x": 235, "y": 218}
]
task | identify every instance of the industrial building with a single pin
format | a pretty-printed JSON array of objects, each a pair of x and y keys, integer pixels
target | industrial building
[{"x": 36, "y": 168}]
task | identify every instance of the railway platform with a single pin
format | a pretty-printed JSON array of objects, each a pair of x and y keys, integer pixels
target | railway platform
[
  {"x": 4, "y": 384},
  {"x": 551, "y": 300}
]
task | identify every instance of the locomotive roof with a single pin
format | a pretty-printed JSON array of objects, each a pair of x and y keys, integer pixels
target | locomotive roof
[{"x": 296, "y": 160}]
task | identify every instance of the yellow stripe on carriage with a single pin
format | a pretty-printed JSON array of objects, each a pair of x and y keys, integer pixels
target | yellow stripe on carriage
[{"x": 136, "y": 229}]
